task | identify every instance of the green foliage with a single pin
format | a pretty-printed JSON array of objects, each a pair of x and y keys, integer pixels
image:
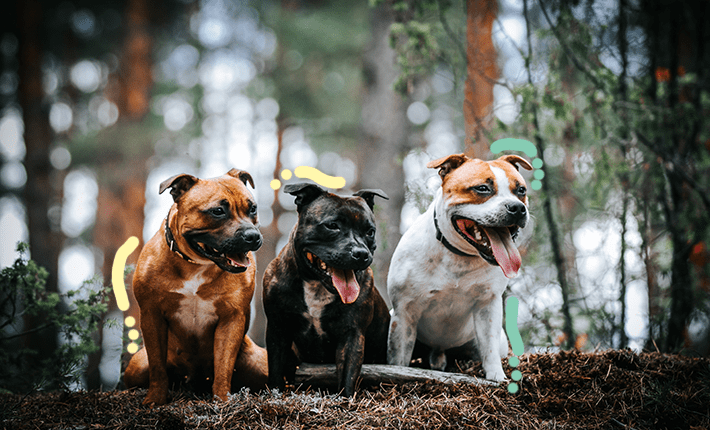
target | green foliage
[
  {"x": 23, "y": 295},
  {"x": 424, "y": 39},
  {"x": 418, "y": 51}
]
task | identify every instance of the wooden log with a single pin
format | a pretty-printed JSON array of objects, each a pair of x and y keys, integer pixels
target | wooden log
[{"x": 323, "y": 375}]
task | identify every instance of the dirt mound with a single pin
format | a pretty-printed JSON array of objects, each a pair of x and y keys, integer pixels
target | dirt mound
[{"x": 567, "y": 390}]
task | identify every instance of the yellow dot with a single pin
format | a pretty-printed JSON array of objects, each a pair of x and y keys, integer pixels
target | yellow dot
[
  {"x": 132, "y": 348},
  {"x": 286, "y": 174},
  {"x": 133, "y": 334},
  {"x": 130, "y": 322},
  {"x": 275, "y": 184}
]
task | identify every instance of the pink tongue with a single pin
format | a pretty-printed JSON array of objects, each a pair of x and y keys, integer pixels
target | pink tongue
[
  {"x": 504, "y": 250},
  {"x": 239, "y": 260},
  {"x": 346, "y": 284}
]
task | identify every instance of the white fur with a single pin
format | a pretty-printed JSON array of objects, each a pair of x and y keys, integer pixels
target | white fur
[
  {"x": 443, "y": 299},
  {"x": 316, "y": 298},
  {"x": 195, "y": 314}
]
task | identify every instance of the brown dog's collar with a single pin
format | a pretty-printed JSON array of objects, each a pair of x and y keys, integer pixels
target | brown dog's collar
[
  {"x": 440, "y": 237},
  {"x": 170, "y": 239}
]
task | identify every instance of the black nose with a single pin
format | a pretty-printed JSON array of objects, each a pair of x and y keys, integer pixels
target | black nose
[
  {"x": 517, "y": 209},
  {"x": 360, "y": 254},
  {"x": 252, "y": 237}
]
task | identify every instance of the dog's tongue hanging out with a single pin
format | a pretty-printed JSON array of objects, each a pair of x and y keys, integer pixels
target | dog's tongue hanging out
[
  {"x": 504, "y": 250},
  {"x": 344, "y": 281}
]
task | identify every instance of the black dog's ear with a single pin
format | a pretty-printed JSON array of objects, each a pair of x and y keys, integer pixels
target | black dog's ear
[
  {"x": 242, "y": 176},
  {"x": 305, "y": 193},
  {"x": 369, "y": 196},
  {"x": 178, "y": 185},
  {"x": 447, "y": 164}
]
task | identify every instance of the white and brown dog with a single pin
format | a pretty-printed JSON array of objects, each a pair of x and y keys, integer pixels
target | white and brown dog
[{"x": 449, "y": 271}]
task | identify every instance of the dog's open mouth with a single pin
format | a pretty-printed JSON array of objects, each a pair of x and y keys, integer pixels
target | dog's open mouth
[
  {"x": 495, "y": 244},
  {"x": 234, "y": 262},
  {"x": 343, "y": 280}
]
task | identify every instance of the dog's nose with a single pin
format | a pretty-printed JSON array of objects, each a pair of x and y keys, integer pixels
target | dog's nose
[
  {"x": 517, "y": 209},
  {"x": 252, "y": 237},
  {"x": 360, "y": 254}
]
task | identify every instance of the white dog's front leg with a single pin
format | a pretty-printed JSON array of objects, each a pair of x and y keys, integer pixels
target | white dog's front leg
[
  {"x": 402, "y": 336},
  {"x": 488, "y": 320}
]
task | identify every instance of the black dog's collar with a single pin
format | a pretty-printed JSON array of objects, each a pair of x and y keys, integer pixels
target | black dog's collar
[
  {"x": 440, "y": 237},
  {"x": 170, "y": 239}
]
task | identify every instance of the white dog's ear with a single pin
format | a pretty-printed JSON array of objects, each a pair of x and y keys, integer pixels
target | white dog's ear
[
  {"x": 242, "y": 176},
  {"x": 178, "y": 185},
  {"x": 516, "y": 160},
  {"x": 447, "y": 164}
]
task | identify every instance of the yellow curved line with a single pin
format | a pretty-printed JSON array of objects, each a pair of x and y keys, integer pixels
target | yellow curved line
[
  {"x": 319, "y": 177},
  {"x": 119, "y": 264}
]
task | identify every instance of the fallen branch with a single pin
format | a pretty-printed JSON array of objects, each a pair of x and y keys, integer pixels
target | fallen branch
[{"x": 374, "y": 374}]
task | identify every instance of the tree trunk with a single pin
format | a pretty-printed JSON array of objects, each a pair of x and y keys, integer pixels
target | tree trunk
[
  {"x": 267, "y": 252},
  {"x": 385, "y": 130},
  {"x": 122, "y": 157},
  {"x": 42, "y": 190},
  {"x": 481, "y": 74},
  {"x": 555, "y": 239}
]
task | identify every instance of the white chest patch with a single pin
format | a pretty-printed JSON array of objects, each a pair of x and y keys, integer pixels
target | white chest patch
[
  {"x": 195, "y": 314},
  {"x": 317, "y": 298}
]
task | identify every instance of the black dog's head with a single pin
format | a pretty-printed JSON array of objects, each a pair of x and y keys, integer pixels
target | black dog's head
[{"x": 335, "y": 236}]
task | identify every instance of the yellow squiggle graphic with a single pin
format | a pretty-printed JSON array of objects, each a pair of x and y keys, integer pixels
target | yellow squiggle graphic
[
  {"x": 119, "y": 287},
  {"x": 308, "y": 172}
]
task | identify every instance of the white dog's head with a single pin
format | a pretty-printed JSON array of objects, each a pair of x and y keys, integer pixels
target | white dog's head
[{"x": 483, "y": 206}]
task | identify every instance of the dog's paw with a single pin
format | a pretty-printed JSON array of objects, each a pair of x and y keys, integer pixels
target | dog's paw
[
  {"x": 155, "y": 399},
  {"x": 496, "y": 375}
]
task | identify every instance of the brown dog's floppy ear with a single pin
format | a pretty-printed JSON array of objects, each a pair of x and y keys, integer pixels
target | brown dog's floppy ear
[
  {"x": 447, "y": 164},
  {"x": 516, "y": 160},
  {"x": 305, "y": 193},
  {"x": 178, "y": 185},
  {"x": 369, "y": 196},
  {"x": 242, "y": 176}
]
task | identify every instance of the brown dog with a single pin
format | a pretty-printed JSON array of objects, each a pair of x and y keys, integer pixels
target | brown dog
[{"x": 194, "y": 282}]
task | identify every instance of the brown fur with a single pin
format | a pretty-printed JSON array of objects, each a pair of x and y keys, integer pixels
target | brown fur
[{"x": 178, "y": 348}]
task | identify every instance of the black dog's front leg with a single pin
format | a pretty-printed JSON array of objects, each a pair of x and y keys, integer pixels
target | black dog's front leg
[
  {"x": 348, "y": 362},
  {"x": 282, "y": 362}
]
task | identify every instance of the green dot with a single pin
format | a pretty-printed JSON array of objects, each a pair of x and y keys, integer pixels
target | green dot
[
  {"x": 537, "y": 163},
  {"x": 516, "y": 375},
  {"x": 536, "y": 185},
  {"x": 512, "y": 388},
  {"x": 539, "y": 174},
  {"x": 513, "y": 361}
]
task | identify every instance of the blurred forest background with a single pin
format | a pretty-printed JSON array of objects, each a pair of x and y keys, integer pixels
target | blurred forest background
[{"x": 102, "y": 100}]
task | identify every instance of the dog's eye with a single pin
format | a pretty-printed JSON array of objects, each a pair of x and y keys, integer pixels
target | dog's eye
[
  {"x": 217, "y": 212},
  {"x": 371, "y": 232},
  {"x": 482, "y": 189},
  {"x": 332, "y": 226},
  {"x": 252, "y": 210},
  {"x": 521, "y": 191}
]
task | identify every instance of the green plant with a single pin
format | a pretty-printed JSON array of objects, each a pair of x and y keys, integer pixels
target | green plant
[{"x": 75, "y": 316}]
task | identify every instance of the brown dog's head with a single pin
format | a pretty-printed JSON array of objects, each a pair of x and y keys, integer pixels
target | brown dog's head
[{"x": 216, "y": 218}]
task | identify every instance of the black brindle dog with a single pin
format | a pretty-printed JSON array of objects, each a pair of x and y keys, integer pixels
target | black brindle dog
[{"x": 319, "y": 295}]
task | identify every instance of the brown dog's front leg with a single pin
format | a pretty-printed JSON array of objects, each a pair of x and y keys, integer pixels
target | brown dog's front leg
[
  {"x": 348, "y": 362},
  {"x": 228, "y": 337},
  {"x": 155, "y": 337}
]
